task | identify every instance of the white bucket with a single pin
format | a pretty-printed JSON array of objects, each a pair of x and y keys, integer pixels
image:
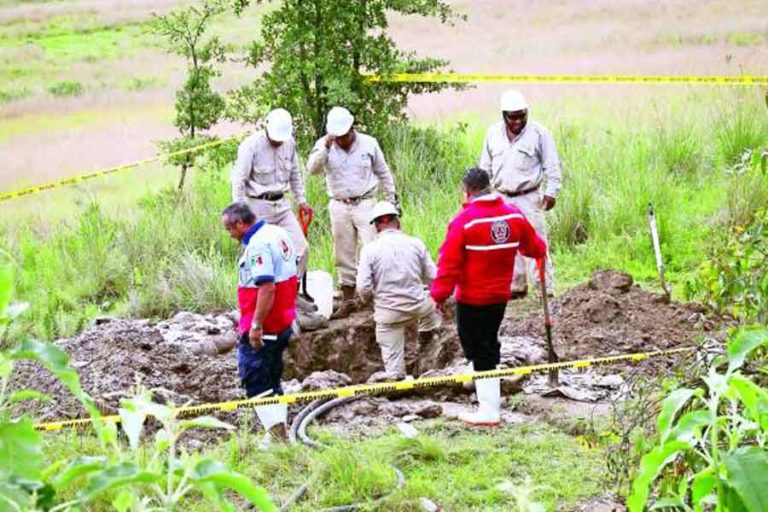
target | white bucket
[{"x": 320, "y": 288}]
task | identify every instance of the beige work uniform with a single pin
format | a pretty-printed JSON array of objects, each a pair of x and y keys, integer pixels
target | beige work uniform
[
  {"x": 352, "y": 178},
  {"x": 262, "y": 169},
  {"x": 395, "y": 268},
  {"x": 519, "y": 169}
]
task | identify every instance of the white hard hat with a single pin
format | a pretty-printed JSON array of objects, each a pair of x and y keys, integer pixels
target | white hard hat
[
  {"x": 339, "y": 121},
  {"x": 512, "y": 101},
  {"x": 279, "y": 125},
  {"x": 383, "y": 208}
]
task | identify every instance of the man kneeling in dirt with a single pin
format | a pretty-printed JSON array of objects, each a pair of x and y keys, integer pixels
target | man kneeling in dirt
[
  {"x": 395, "y": 268},
  {"x": 266, "y": 294},
  {"x": 476, "y": 260}
]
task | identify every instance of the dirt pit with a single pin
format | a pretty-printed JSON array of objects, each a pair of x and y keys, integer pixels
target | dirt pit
[{"x": 608, "y": 315}]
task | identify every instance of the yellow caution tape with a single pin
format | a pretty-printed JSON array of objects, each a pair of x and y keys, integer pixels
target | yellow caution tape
[
  {"x": 373, "y": 389},
  {"x": 5, "y": 196},
  {"x": 547, "y": 78}
]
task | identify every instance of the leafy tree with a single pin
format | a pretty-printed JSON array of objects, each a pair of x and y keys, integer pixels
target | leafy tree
[
  {"x": 318, "y": 52},
  {"x": 198, "y": 106}
]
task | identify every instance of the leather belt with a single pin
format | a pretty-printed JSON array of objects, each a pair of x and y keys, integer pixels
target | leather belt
[
  {"x": 521, "y": 192},
  {"x": 351, "y": 200},
  {"x": 270, "y": 196}
]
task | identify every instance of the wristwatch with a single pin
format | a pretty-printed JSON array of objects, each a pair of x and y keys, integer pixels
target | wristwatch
[{"x": 256, "y": 325}]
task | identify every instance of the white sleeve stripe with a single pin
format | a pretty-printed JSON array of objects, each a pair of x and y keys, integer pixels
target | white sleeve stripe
[
  {"x": 492, "y": 247},
  {"x": 493, "y": 219}
]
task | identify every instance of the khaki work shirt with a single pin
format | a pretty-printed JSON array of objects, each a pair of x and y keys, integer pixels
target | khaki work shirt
[
  {"x": 395, "y": 267},
  {"x": 353, "y": 173},
  {"x": 523, "y": 163},
  {"x": 261, "y": 169}
]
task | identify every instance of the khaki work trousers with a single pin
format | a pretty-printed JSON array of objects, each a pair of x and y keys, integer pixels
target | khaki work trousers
[
  {"x": 390, "y": 333},
  {"x": 279, "y": 213},
  {"x": 530, "y": 205},
  {"x": 350, "y": 222}
]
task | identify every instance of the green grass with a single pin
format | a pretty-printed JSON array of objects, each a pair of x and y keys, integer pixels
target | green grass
[
  {"x": 454, "y": 466},
  {"x": 170, "y": 253},
  {"x": 36, "y": 54}
]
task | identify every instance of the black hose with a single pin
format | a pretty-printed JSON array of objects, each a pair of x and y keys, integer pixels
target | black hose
[
  {"x": 316, "y": 412},
  {"x": 307, "y": 416}
]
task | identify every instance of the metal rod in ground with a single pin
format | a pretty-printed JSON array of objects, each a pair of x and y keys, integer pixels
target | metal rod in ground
[
  {"x": 657, "y": 250},
  {"x": 553, "y": 373}
]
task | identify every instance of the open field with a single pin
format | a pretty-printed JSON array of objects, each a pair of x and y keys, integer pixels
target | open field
[{"x": 95, "y": 61}]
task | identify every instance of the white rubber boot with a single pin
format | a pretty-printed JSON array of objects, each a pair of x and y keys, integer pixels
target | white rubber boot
[
  {"x": 271, "y": 416},
  {"x": 489, "y": 404}
]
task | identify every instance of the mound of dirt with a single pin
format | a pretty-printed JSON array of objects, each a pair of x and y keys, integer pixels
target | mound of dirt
[
  {"x": 188, "y": 358},
  {"x": 111, "y": 357},
  {"x": 610, "y": 315}
]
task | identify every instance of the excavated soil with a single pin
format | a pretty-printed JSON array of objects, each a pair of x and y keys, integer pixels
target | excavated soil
[
  {"x": 607, "y": 315},
  {"x": 611, "y": 315}
]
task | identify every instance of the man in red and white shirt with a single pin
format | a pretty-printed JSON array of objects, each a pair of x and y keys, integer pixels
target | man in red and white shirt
[
  {"x": 477, "y": 261},
  {"x": 266, "y": 294}
]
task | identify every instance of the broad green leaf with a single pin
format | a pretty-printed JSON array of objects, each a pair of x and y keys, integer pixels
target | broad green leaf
[
  {"x": 212, "y": 494},
  {"x": 669, "y": 409},
  {"x": 117, "y": 476},
  {"x": 733, "y": 502},
  {"x": 28, "y": 394},
  {"x": 123, "y": 501},
  {"x": 14, "y": 497},
  {"x": 6, "y": 285},
  {"x": 21, "y": 454},
  {"x": 219, "y": 474},
  {"x": 703, "y": 484},
  {"x": 667, "y": 503},
  {"x": 690, "y": 423},
  {"x": 204, "y": 422},
  {"x": 748, "y": 475},
  {"x": 754, "y": 398},
  {"x": 744, "y": 342},
  {"x": 650, "y": 466},
  {"x": 716, "y": 382},
  {"x": 133, "y": 423},
  {"x": 79, "y": 467}
]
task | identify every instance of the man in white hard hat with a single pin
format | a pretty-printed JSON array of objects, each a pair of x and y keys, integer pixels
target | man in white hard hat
[
  {"x": 521, "y": 157},
  {"x": 267, "y": 167},
  {"x": 396, "y": 269},
  {"x": 354, "y": 168}
]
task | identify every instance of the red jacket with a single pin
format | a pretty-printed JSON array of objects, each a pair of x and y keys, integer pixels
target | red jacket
[{"x": 478, "y": 255}]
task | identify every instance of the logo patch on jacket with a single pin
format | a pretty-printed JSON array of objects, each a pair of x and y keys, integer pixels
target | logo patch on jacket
[
  {"x": 500, "y": 231},
  {"x": 285, "y": 250}
]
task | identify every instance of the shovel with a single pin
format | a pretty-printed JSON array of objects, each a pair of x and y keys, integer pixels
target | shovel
[
  {"x": 551, "y": 354},
  {"x": 305, "y": 218}
]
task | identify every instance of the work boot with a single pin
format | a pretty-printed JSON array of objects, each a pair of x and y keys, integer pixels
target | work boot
[
  {"x": 305, "y": 305},
  {"x": 348, "y": 303},
  {"x": 273, "y": 417},
  {"x": 309, "y": 321},
  {"x": 276, "y": 434},
  {"x": 519, "y": 294},
  {"x": 488, "y": 404}
]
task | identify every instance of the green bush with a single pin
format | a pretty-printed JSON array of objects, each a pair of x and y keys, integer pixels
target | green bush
[
  {"x": 66, "y": 88},
  {"x": 711, "y": 447}
]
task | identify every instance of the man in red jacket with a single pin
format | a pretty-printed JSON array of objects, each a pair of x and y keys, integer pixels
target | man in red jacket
[{"x": 477, "y": 261}]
